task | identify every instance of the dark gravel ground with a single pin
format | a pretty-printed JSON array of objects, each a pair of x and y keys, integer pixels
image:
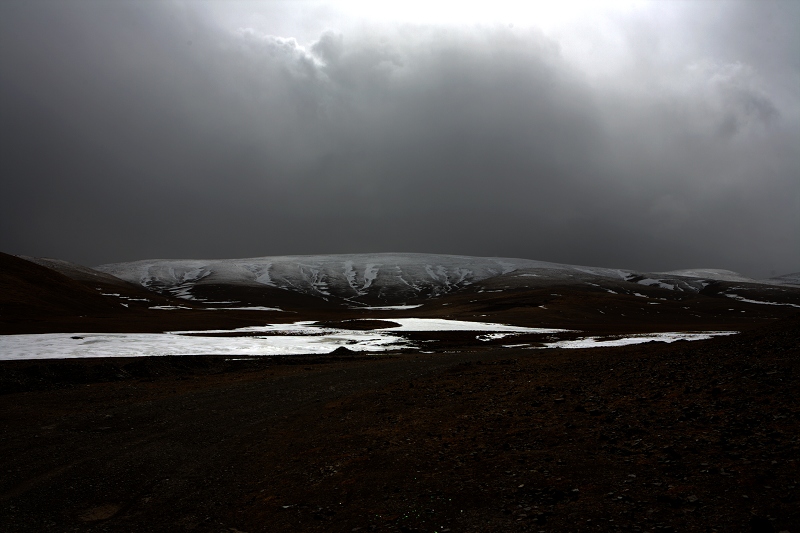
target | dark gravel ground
[{"x": 700, "y": 436}]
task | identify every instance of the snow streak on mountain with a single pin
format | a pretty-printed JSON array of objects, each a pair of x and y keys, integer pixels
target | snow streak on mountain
[{"x": 370, "y": 278}]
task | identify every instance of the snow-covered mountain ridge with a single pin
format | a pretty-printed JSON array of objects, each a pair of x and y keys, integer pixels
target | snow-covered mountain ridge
[
  {"x": 382, "y": 276},
  {"x": 391, "y": 278}
]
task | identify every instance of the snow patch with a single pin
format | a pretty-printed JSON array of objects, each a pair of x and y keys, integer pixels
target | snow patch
[
  {"x": 431, "y": 273},
  {"x": 598, "y": 342},
  {"x": 506, "y": 267},
  {"x": 493, "y": 336},
  {"x": 648, "y": 282},
  {"x": 370, "y": 273},
  {"x": 746, "y": 300},
  {"x": 443, "y": 324},
  {"x": 279, "y": 339},
  {"x": 262, "y": 273},
  {"x": 350, "y": 276},
  {"x": 712, "y": 273},
  {"x": 82, "y": 345},
  {"x": 251, "y": 308},
  {"x": 389, "y": 307}
]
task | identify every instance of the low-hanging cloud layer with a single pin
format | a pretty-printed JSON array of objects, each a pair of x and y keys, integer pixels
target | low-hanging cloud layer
[{"x": 660, "y": 138}]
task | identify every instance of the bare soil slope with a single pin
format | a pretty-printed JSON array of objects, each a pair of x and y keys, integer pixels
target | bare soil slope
[{"x": 38, "y": 299}]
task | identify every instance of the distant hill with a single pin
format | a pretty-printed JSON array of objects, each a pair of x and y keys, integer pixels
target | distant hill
[
  {"x": 385, "y": 278},
  {"x": 789, "y": 279},
  {"x": 711, "y": 273},
  {"x": 29, "y": 289},
  {"x": 48, "y": 295}
]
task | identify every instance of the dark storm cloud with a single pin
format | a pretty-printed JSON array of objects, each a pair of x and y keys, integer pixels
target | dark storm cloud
[{"x": 139, "y": 130}]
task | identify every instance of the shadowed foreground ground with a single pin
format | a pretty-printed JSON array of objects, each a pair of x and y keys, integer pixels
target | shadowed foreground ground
[{"x": 685, "y": 437}]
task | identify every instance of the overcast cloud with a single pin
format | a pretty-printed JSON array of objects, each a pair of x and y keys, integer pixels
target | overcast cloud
[{"x": 659, "y": 137}]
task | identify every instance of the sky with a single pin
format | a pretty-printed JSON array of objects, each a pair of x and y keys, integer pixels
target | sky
[{"x": 630, "y": 134}]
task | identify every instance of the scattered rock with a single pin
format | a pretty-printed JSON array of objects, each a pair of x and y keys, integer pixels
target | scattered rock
[{"x": 101, "y": 512}]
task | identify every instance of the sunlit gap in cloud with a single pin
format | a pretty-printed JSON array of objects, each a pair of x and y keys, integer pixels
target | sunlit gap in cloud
[
  {"x": 306, "y": 20},
  {"x": 542, "y": 14},
  {"x": 585, "y": 32}
]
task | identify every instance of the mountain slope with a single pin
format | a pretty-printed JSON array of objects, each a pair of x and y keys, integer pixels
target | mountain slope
[
  {"x": 366, "y": 278},
  {"x": 28, "y": 289},
  {"x": 792, "y": 280},
  {"x": 710, "y": 273},
  {"x": 159, "y": 295},
  {"x": 79, "y": 272},
  {"x": 390, "y": 278}
]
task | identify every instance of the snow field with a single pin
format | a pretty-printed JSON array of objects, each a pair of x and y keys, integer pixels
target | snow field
[{"x": 283, "y": 339}]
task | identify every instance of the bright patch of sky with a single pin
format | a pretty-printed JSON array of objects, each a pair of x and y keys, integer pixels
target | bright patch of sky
[
  {"x": 302, "y": 18},
  {"x": 587, "y": 32}
]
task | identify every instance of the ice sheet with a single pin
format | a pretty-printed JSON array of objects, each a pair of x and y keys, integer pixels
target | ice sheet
[
  {"x": 279, "y": 339},
  {"x": 79, "y": 345},
  {"x": 284, "y": 339}
]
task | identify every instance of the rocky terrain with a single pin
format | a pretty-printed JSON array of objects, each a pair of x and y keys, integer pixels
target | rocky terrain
[
  {"x": 684, "y": 437},
  {"x": 466, "y": 435}
]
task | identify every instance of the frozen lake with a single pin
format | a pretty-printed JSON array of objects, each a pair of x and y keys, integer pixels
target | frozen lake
[{"x": 288, "y": 339}]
